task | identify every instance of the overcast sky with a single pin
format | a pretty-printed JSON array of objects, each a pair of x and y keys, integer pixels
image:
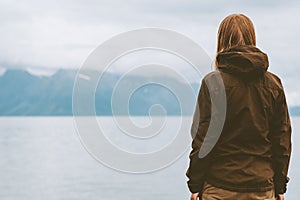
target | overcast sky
[{"x": 48, "y": 35}]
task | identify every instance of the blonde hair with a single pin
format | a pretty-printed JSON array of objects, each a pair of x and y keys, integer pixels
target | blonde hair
[{"x": 235, "y": 29}]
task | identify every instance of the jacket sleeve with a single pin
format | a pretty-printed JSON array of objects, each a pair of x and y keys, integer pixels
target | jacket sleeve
[
  {"x": 198, "y": 167},
  {"x": 280, "y": 136}
]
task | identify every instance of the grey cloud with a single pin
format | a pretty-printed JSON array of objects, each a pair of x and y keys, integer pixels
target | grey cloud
[{"x": 57, "y": 34}]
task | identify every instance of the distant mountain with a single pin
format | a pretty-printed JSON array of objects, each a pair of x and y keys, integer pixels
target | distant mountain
[
  {"x": 23, "y": 94},
  {"x": 295, "y": 111}
]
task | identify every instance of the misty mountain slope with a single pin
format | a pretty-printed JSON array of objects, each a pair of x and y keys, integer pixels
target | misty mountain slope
[{"x": 23, "y": 94}]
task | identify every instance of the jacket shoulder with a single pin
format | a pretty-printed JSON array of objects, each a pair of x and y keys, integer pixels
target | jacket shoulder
[
  {"x": 213, "y": 78},
  {"x": 273, "y": 81},
  {"x": 212, "y": 75}
]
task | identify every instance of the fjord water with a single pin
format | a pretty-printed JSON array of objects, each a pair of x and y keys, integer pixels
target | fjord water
[{"x": 42, "y": 158}]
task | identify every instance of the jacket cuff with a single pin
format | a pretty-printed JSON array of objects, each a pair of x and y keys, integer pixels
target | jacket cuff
[
  {"x": 280, "y": 190},
  {"x": 281, "y": 187},
  {"x": 194, "y": 188}
]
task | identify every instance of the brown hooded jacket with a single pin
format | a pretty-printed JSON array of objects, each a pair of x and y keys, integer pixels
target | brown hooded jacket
[{"x": 253, "y": 151}]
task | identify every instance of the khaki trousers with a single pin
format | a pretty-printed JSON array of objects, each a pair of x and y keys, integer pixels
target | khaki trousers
[{"x": 213, "y": 193}]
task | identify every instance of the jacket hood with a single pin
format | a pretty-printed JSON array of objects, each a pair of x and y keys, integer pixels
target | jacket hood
[{"x": 246, "y": 62}]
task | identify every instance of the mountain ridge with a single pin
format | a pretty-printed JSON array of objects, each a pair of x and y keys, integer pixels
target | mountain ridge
[{"x": 25, "y": 94}]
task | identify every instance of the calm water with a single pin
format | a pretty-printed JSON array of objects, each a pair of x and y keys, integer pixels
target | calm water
[{"x": 42, "y": 158}]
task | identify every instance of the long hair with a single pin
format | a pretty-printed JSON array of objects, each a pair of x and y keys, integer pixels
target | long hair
[{"x": 235, "y": 29}]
